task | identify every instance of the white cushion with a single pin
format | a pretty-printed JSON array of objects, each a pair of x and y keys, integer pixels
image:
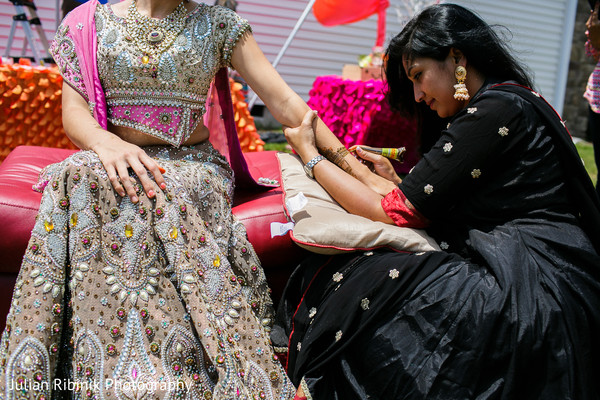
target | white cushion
[{"x": 323, "y": 226}]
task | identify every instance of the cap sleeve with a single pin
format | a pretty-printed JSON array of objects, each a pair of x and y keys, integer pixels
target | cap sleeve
[
  {"x": 229, "y": 27},
  {"x": 63, "y": 52}
]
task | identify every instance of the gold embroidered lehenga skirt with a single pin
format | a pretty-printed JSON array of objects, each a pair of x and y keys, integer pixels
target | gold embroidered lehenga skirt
[{"x": 159, "y": 299}]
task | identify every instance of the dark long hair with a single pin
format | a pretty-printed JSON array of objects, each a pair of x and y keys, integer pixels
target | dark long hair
[{"x": 432, "y": 33}]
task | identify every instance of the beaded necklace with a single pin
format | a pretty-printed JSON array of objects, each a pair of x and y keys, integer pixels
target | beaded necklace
[{"x": 154, "y": 36}]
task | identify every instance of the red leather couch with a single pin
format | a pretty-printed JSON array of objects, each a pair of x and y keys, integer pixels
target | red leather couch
[{"x": 19, "y": 205}]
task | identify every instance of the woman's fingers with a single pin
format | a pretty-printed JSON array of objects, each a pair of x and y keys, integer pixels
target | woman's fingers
[
  {"x": 368, "y": 156},
  {"x": 149, "y": 174},
  {"x": 382, "y": 166},
  {"x": 127, "y": 182},
  {"x": 142, "y": 173},
  {"x": 309, "y": 118},
  {"x": 157, "y": 172},
  {"x": 302, "y": 138},
  {"x": 124, "y": 162},
  {"x": 306, "y": 126},
  {"x": 115, "y": 180}
]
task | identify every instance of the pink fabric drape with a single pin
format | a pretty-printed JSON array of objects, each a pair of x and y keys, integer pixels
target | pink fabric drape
[
  {"x": 220, "y": 122},
  {"x": 83, "y": 31}
]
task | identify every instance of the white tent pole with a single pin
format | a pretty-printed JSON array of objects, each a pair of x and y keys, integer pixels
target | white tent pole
[
  {"x": 286, "y": 44},
  {"x": 294, "y": 32}
]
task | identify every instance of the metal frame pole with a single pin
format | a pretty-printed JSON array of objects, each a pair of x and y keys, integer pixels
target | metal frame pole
[{"x": 22, "y": 18}]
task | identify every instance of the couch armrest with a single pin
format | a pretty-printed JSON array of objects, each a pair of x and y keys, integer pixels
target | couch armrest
[{"x": 19, "y": 203}]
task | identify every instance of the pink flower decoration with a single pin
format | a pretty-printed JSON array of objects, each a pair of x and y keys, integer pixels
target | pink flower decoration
[{"x": 357, "y": 112}]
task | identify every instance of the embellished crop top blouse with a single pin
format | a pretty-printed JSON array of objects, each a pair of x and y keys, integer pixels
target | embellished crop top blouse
[{"x": 163, "y": 95}]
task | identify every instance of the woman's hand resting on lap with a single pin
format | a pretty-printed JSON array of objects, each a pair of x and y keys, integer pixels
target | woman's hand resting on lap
[
  {"x": 118, "y": 157},
  {"x": 116, "y": 154}
]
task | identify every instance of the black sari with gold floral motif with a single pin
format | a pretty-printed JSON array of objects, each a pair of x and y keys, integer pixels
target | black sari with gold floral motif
[{"x": 509, "y": 309}]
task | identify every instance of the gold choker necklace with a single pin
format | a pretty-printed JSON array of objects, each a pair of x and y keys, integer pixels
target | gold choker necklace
[{"x": 154, "y": 36}]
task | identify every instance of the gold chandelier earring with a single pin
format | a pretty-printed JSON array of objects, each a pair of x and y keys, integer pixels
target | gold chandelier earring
[{"x": 460, "y": 89}]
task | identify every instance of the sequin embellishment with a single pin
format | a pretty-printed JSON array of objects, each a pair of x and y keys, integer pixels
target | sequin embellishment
[
  {"x": 30, "y": 362},
  {"x": 130, "y": 272},
  {"x": 134, "y": 363}
]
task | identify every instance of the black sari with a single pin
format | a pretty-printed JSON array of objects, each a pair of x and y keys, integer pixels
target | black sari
[{"x": 510, "y": 309}]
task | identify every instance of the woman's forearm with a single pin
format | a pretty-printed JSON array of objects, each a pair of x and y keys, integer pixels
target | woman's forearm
[
  {"x": 292, "y": 111},
  {"x": 84, "y": 131},
  {"x": 354, "y": 196},
  {"x": 287, "y": 107},
  {"x": 80, "y": 126}
]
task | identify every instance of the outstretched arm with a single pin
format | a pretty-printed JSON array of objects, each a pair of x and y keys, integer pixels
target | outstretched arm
[{"x": 285, "y": 105}]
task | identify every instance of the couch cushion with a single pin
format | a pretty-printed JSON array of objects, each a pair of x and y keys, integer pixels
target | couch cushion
[
  {"x": 258, "y": 209},
  {"x": 279, "y": 255},
  {"x": 319, "y": 219}
]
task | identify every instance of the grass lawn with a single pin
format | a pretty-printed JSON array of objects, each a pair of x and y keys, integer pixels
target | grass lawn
[
  {"x": 586, "y": 151},
  {"x": 277, "y": 146}
]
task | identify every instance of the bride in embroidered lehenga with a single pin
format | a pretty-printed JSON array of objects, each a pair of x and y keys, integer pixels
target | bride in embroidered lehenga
[{"x": 138, "y": 282}]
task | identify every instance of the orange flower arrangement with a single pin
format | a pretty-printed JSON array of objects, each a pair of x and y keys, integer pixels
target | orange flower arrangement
[{"x": 30, "y": 106}]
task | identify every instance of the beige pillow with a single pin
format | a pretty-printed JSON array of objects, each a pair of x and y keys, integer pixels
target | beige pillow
[{"x": 323, "y": 226}]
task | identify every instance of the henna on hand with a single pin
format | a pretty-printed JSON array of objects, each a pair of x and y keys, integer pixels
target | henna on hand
[{"x": 338, "y": 157}]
